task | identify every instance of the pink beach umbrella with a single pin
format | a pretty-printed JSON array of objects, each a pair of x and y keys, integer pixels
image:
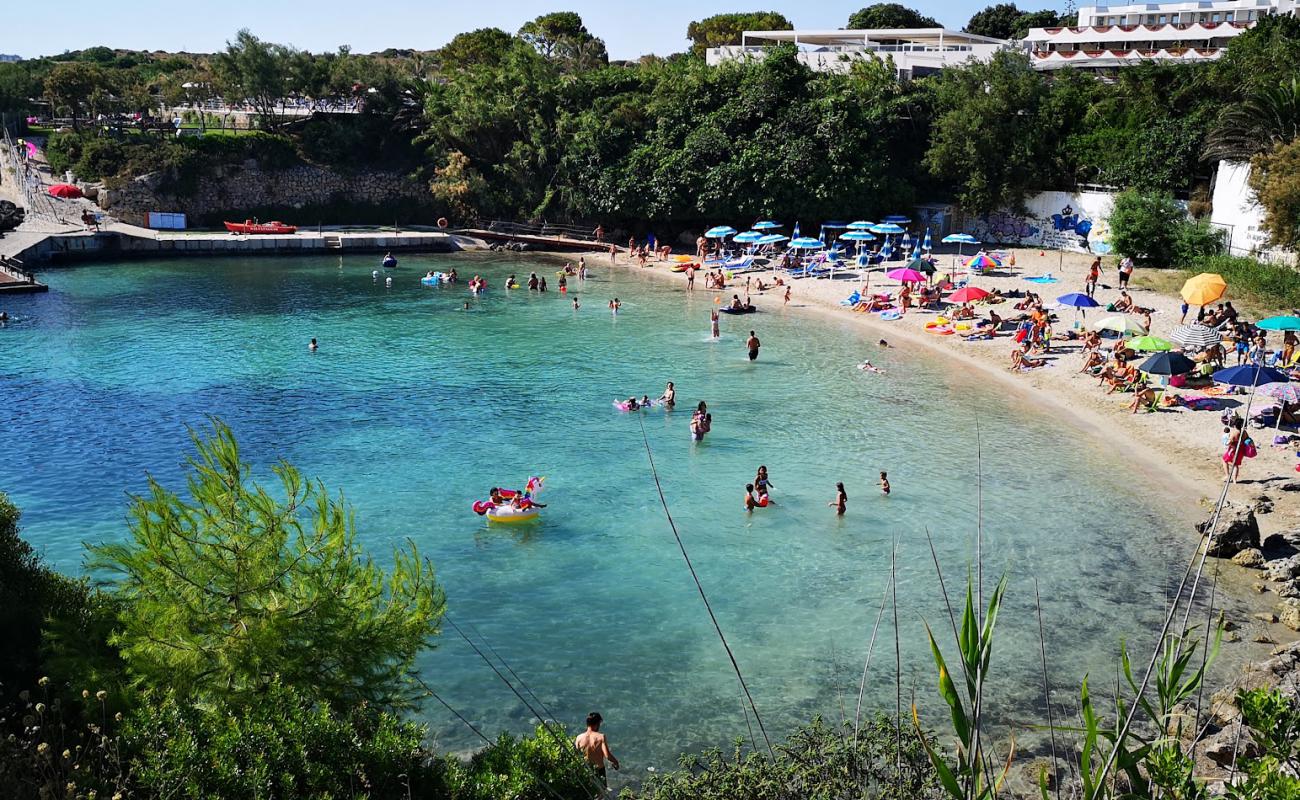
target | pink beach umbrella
[{"x": 905, "y": 275}]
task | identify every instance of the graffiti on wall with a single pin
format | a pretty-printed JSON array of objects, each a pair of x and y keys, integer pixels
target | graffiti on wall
[{"x": 1066, "y": 229}]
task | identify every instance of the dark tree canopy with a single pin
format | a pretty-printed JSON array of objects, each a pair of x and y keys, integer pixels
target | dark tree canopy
[
  {"x": 890, "y": 15},
  {"x": 485, "y": 46},
  {"x": 561, "y": 36},
  {"x": 725, "y": 29},
  {"x": 998, "y": 21}
]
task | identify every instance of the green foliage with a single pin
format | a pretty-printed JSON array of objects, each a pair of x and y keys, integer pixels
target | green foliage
[
  {"x": 231, "y": 591},
  {"x": 726, "y": 29},
  {"x": 560, "y": 36},
  {"x": 1046, "y": 18},
  {"x": 1273, "y": 721},
  {"x": 32, "y": 596},
  {"x": 1143, "y": 227},
  {"x": 18, "y": 87},
  {"x": 997, "y": 131},
  {"x": 1197, "y": 240},
  {"x": 104, "y": 156},
  {"x": 817, "y": 761},
  {"x": 889, "y": 15},
  {"x": 77, "y": 88},
  {"x": 1274, "y": 286},
  {"x": 998, "y": 21},
  {"x": 256, "y": 71},
  {"x": 1275, "y": 180},
  {"x": 1258, "y": 58},
  {"x": 280, "y": 746},
  {"x": 543, "y": 766},
  {"x": 1269, "y": 116},
  {"x": 482, "y": 47}
]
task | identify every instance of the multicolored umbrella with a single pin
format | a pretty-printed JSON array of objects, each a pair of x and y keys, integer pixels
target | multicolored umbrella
[
  {"x": 720, "y": 232},
  {"x": 1284, "y": 392},
  {"x": 1195, "y": 337},
  {"x": 1204, "y": 288},
  {"x": 982, "y": 261},
  {"x": 1150, "y": 344},
  {"x": 1119, "y": 324},
  {"x": 905, "y": 275},
  {"x": 967, "y": 295},
  {"x": 1282, "y": 323}
]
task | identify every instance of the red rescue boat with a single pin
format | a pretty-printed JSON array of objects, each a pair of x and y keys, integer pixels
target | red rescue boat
[{"x": 249, "y": 226}]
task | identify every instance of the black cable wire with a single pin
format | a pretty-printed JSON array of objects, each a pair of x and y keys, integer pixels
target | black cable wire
[{"x": 699, "y": 586}]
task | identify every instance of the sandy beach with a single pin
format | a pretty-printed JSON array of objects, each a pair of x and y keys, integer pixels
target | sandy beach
[{"x": 1179, "y": 449}]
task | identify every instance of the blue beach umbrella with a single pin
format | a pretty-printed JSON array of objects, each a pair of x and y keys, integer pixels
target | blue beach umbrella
[
  {"x": 907, "y": 241},
  {"x": 887, "y": 250},
  {"x": 795, "y": 232},
  {"x": 748, "y": 237},
  {"x": 835, "y": 225},
  {"x": 960, "y": 238},
  {"x": 887, "y": 227},
  {"x": 807, "y": 243},
  {"x": 926, "y": 246},
  {"x": 771, "y": 238},
  {"x": 861, "y": 225},
  {"x": 767, "y": 225},
  {"x": 858, "y": 236},
  {"x": 720, "y": 232},
  {"x": 1250, "y": 375},
  {"x": 897, "y": 219},
  {"x": 1283, "y": 323},
  {"x": 1078, "y": 300}
]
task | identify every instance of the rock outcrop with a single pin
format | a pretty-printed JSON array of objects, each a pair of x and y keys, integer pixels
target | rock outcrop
[{"x": 1237, "y": 530}]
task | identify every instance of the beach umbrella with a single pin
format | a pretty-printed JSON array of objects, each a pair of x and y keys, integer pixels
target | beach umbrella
[
  {"x": 861, "y": 225},
  {"x": 1195, "y": 337},
  {"x": 907, "y": 241},
  {"x": 905, "y": 275},
  {"x": 921, "y": 265},
  {"x": 1286, "y": 392},
  {"x": 795, "y": 232},
  {"x": 1119, "y": 324},
  {"x": 887, "y": 227},
  {"x": 1204, "y": 289},
  {"x": 720, "y": 232},
  {"x": 835, "y": 225},
  {"x": 766, "y": 225},
  {"x": 748, "y": 237},
  {"x": 1283, "y": 323},
  {"x": 858, "y": 236},
  {"x": 1167, "y": 364},
  {"x": 807, "y": 243},
  {"x": 1150, "y": 344},
  {"x": 65, "y": 191},
  {"x": 1250, "y": 375},
  {"x": 926, "y": 245},
  {"x": 897, "y": 219},
  {"x": 967, "y": 295},
  {"x": 1078, "y": 300},
  {"x": 959, "y": 239},
  {"x": 771, "y": 238},
  {"x": 982, "y": 261},
  {"x": 886, "y": 250}
]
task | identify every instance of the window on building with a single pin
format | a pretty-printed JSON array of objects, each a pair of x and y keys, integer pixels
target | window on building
[
  {"x": 1163, "y": 19},
  {"x": 1214, "y": 17}
]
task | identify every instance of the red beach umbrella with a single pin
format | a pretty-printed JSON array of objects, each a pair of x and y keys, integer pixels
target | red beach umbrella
[
  {"x": 65, "y": 190},
  {"x": 967, "y": 295}
]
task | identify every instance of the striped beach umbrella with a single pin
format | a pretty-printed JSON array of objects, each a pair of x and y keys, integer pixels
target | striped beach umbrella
[
  {"x": 982, "y": 261},
  {"x": 897, "y": 219},
  {"x": 887, "y": 228},
  {"x": 767, "y": 225},
  {"x": 771, "y": 238},
  {"x": 861, "y": 225},
  {"x": 719, "y": 232},
  {"x": 748, "y": 237},
  {"x": 858, "y": 236},
  {"x": 1195, "y": 337},
  {"x": 807, "y": 243},
  {"x": 795, "y": 232},
  {"x": 925, "y": 245},
  {"x": 887, "y": 250}
]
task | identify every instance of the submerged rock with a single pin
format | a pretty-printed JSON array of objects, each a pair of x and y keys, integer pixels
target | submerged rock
[
  {"x": 1237, "y": 530},
  {"x": 1251, "y": 557}
]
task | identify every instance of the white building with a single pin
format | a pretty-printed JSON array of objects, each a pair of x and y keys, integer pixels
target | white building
[
  {"x": 914, "y": 52},
  {"x": 1108, "y": 37}
]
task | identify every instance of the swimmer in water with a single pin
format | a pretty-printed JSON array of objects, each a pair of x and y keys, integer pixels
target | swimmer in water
[
  {"x": 713, "y": 324},
  {"x": 867, "y": 366},
  {"x": 312, "y": 346},
  {"x": 466, "y": 308},
  {"x": 615, "y": 305},
  {"x": 575, "y": 304},
  {"x": 669, "y": 397},
  {"x": 388, "y": 281},
  {"x": 883, "y": 343},
  {"x": 750, "y": 502},
  {"x": 841, "y": 501},
  {"x": 884, "y": 482}
]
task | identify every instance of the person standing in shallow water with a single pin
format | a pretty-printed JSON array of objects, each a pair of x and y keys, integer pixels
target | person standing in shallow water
[
  {"x": 841, "y": 501},
  {"x": 753, "y": 344},
  {"x": 311, "y": 346},
  {"x": 595, "y": 747}
]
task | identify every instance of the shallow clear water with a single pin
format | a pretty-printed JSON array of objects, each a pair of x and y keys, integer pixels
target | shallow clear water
[{"x": 414, "y": 407}]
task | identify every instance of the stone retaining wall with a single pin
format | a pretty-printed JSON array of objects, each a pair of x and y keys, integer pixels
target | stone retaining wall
[{"x": 237, "y": 192}]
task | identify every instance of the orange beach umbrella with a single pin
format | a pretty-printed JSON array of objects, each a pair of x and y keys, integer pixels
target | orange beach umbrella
[{"x": 1204, "y": 289}]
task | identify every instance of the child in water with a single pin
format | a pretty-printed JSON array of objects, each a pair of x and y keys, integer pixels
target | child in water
[
  {"x": 884, "y": 482},
  {"x": 750, "y": 502},
  {"x": 841, "y": 501}
]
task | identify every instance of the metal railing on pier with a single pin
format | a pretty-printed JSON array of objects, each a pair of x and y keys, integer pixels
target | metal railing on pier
[
  {"x": 37, "y": 204},
  {"x": 583, "y": 233},
  {"x": 13, "y": 268}
]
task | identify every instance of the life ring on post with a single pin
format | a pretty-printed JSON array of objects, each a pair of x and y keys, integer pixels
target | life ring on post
[{"x": 442, "y": 222}]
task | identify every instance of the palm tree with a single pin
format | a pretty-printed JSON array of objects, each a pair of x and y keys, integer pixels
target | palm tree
[{"x": 1256, "y": 124}]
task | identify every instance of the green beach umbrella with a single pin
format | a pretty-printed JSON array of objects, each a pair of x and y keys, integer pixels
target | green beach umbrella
[{"x": 1150, "y": 344}]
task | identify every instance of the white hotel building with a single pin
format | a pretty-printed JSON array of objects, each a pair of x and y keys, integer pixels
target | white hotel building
[
  {"x": 914, "y": 51},
  {"x": 1109, "y": 37}
]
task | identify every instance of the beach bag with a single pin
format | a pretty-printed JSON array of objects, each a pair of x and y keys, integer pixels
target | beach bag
[
  {"x": 1178, "y": 381},
  {"x": 1249, "y": 450},
  {"x": 1021, "y": 334}
]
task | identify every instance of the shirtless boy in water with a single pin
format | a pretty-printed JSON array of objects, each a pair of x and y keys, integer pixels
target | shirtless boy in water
[{"x": 594, "y": 747}]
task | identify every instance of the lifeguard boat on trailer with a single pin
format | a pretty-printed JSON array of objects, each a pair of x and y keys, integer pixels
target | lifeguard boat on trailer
[{"x": 254, "y": 227}]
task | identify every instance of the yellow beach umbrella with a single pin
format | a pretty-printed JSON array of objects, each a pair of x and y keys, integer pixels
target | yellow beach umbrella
[{"x": 1204, "y": 289}]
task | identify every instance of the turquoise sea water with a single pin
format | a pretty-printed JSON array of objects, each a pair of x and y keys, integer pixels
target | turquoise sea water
[{"x": 413, "y": 407}]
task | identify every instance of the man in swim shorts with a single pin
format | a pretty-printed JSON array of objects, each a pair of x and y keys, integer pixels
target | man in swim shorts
[
  {"x": 595, "y": 747},
  {"x": 753, "y": 344}
]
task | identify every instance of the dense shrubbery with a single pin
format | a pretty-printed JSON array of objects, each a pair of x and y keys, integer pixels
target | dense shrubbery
[
  {"x": 1275, "y": 285},
  {"x": 1154, "y": 229},
  {"x": 96, "y": 156}
]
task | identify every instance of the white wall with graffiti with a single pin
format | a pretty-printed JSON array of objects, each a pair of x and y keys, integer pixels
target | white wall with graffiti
[{"x": 1074, "y": 221}]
